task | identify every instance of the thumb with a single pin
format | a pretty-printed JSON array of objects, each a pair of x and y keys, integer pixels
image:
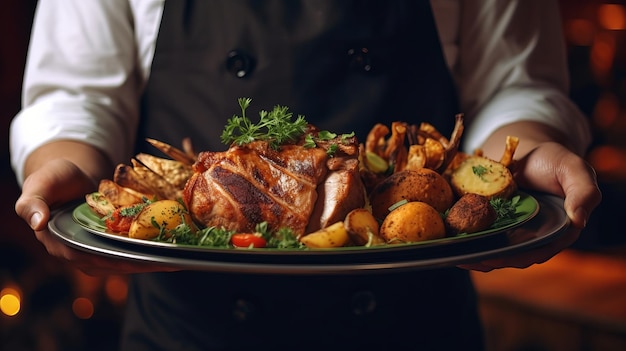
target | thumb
[{"x": 55, "y": 183}]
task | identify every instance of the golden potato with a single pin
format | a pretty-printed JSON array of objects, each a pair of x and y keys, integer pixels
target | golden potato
[
  {"x": 412, "y": 222},
  {"x": 423, "y": 185},
  {"x": 483, "y": 176},
  {"x": 335, "y": 235},
  {"x": 471, "y": 213},
  {"x": 362, "y": 227},
  {"x": 167, "y": 214}
]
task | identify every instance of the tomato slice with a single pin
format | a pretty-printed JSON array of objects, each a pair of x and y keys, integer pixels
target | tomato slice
[
  {"x": 117, "y": 222},
  {"x": 248, "y": 240}
]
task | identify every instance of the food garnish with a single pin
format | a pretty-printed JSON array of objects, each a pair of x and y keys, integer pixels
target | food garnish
[{"x": 275, "y": 126}]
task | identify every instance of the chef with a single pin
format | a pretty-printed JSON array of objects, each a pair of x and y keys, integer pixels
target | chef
[{"x": 102, "y": 76}]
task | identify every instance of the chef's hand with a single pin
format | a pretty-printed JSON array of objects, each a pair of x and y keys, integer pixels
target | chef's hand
[
  {"x": 554, "y": 169},
  {"x": 50, "y": 185}
]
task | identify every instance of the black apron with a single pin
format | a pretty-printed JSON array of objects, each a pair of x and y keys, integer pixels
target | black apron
[{"x": 344, "y": 65}]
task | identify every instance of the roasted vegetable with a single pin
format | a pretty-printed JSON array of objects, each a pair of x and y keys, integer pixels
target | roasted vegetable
[
  {"x": 422, "y": 184},
  {"x": 412, "y": 222},
  {"x": 335, "y": 235},
  {"x": 362, "y": 228},
  {"x": 157, "y": 218},
  {"x": 483, "y": 176},
  {"x": 471, "y": 213}
]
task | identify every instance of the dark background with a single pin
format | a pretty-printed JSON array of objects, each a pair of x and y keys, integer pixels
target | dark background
[{"x": 63, "y": 309}]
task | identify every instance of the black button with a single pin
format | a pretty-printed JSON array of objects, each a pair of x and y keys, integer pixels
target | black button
[
  {"x": 363, "y": 302},
  {"x": 239, "y": 63},
  {"x": 360, "y": 59},
  {"x": 243, "y": 310}
]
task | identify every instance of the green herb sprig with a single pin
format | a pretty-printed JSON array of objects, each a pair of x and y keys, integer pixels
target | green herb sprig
[
  {"x": 276, "y": 126},
  {"x": 506, "y": 210}
]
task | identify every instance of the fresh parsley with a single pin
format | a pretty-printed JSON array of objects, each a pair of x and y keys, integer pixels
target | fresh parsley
[
  {"x": 275, "y": 126},
  {"x": 506, "y": 209},
  {"x": 480, "y": 171}
]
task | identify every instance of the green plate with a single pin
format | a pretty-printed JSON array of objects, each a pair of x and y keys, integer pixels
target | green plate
[{"x": 526, "y": 209}]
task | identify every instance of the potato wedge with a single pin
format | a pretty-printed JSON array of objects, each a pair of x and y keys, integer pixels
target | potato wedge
[
  {"x": 362, "y": 227},
  {"x": 118, "y": 195},
  {"x": 172, "y": 171},
  {"x": 160, "y": 185},
  {"x": 167, "y": 214},
  {"x": 127, "y": 177},
  {"x": 483, "y": 176},
  {"x": 335, "y": 235},
  {"x": 412, "y": 222},
  {"x": 99, "y": 203}
]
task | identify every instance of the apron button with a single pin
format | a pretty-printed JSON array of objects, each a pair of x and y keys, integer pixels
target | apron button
[
  {"x": 360, "y": 59},
  {"x": 239, "y": 63},
  {"x": 244, "y": 311},
  {"x": 363, "y": 303}
]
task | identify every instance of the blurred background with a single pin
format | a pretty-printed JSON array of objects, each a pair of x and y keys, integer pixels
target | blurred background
[{"x": 575, "y": 301}]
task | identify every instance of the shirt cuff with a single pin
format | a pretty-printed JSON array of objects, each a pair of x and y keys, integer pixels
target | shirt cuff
[
  {"x": 538, "y": 103},
  {"x": 44, "y": 122}
]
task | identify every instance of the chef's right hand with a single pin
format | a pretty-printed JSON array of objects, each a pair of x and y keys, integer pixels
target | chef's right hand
[{"x": 55, "y": 183}]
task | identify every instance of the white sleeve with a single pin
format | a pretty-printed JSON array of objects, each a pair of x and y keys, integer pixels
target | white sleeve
[
  {"x": 512, "y": 66},
  {"x": 83, "y": 79}
]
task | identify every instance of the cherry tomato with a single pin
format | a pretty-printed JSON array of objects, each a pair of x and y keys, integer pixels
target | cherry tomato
[
  {"x": 117, "y": 222},
  {"x": 248, "y": 240}
]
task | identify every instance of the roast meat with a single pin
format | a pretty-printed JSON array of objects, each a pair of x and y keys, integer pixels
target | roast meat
[{"x": 301, "y": 188}]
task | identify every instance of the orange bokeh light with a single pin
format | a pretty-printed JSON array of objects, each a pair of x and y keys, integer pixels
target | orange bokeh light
[
  {"x": 116, "y": 289},
  {"x": 606, "y": 111},
  {"x": 602, "y": 54},
  {"x": 579, "y": 32},
  {"x": 83, "y": 308},
  {"x": 612, "y": 16},
  {"x": 608, "y": 161},
  {"x": 10, "y": 301}
]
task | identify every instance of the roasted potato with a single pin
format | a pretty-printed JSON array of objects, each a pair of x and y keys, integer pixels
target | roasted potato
[
  {"x": 118, "y": 195},
  {"x": 362, "y": 228},
  {"x": 335, "y": 235},
  {"x": 174, "y": 172},
  {"x": 471, "y": 213},
  {"x": 99, "y": 203},
  {"x": 422, "y": 184},
  {"x": 412, "y": 222},
  {"x": 167, "y": 214},
  {"x": 126, "y": 176},
  {"x": 483, "y": 176}
]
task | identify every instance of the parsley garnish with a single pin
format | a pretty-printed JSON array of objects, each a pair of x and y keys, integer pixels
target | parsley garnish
[
  {"x": 309, "y": 142},
  {"x": 480, "y": 171},
  {"x": 506, "y": 210},
  {"x": 332, "y": 149},
  {"x": 326, "y": 135},
  {"x": 276, "y": 126},
  {"x": 284, "y": 238}
]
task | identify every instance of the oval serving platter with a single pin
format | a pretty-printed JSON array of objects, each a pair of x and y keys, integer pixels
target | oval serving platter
[
  {"x": 526, "y": 209},
  {"x": 539, "y": 229}
]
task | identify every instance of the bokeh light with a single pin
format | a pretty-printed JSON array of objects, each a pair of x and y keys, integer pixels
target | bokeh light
[
  {"x": 607, "y": 110},
  {"x": 116, "y": 289},
  {"x": 612, "y": 16},
  {"x": 10, "y": 301},
  {"x": 83, "y": 308},
  {"x": 579, "y": 32},
  {"x": 602, "y": 55}
]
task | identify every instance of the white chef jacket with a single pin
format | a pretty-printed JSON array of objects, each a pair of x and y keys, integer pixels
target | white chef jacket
[{"x": 89, "y": 60}]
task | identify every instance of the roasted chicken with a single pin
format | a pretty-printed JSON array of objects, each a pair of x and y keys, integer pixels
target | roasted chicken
[{"x": 294, "y": 186}]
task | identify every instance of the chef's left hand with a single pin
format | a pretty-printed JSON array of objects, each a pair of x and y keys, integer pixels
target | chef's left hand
[{"x": 552, "y": 168}]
